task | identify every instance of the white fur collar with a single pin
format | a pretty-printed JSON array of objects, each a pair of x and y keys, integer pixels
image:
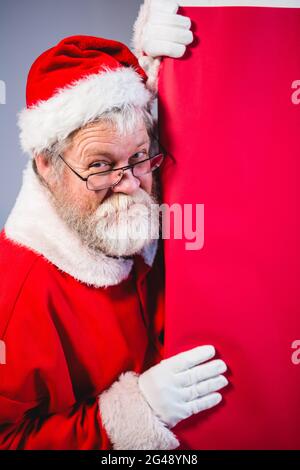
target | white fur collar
[{"x": 34, "y": 223}]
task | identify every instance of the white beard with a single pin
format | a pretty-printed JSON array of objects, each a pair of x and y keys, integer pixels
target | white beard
[
  {"x": 125, "y": 224},
  {"x": 121, "y": 226}
]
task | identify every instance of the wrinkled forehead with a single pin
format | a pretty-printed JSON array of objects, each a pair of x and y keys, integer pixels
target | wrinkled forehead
[
  {"x": 107, "y": 132},
  {"x": 104, "y": 138}
]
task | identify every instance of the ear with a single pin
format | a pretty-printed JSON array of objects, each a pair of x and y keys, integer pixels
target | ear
[{"x": 43, "y": 165}]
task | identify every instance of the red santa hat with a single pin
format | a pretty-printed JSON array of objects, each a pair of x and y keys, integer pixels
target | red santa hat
[{"x": 73, "y": 83}]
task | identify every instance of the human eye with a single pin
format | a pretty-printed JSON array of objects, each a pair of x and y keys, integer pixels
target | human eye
[
  {"x": 140, "y": 155},
  {"x": 102, "y": 165}
]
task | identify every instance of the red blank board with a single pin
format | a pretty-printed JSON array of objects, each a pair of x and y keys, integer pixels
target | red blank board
[{"x": 228, "y": 114}]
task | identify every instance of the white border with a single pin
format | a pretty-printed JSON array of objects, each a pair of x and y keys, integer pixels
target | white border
[{"x": 239, "y": 3}]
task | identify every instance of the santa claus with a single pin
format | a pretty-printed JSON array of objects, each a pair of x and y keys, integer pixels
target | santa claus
[{"x": 81, "y": 301}]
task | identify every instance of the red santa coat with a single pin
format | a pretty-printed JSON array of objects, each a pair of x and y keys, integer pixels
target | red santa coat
[{"x": 78, "y": 328}]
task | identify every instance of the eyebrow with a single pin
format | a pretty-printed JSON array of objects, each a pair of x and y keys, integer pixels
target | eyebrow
[
  {"x": 109, "y": 154},
  {"x": 144, "y": 142}
]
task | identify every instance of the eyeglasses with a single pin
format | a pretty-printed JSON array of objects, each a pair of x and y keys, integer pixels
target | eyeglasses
[{"x": 109, "y": 178}]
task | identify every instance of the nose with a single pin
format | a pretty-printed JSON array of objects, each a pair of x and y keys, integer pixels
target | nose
[{"x": 128, "y": 184}]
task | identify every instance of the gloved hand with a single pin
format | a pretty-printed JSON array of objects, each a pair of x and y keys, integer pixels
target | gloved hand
[
  {"x": 159, "y": 31},
  {"x": 184, "y": 384},
  {"x": 166, "y": 33}
]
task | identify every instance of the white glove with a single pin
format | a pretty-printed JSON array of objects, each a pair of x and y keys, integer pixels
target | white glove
[
  {"x": 166, "y": 33},
  {"x": 159, "y": 31},
  {"x": 179, "y": 387}
]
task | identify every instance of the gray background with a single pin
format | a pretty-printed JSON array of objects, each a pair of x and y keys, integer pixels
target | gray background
[{"x": 27, "y": 28}]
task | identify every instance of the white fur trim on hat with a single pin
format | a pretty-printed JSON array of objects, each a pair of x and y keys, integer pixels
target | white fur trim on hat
[
  {"x": 129, "y": 421},
  {"x": 82, "y": 101},
  {"x": 34, "y": 223}
]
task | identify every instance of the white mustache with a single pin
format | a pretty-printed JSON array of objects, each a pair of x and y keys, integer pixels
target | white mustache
[{"x": 122, "y": 203}]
